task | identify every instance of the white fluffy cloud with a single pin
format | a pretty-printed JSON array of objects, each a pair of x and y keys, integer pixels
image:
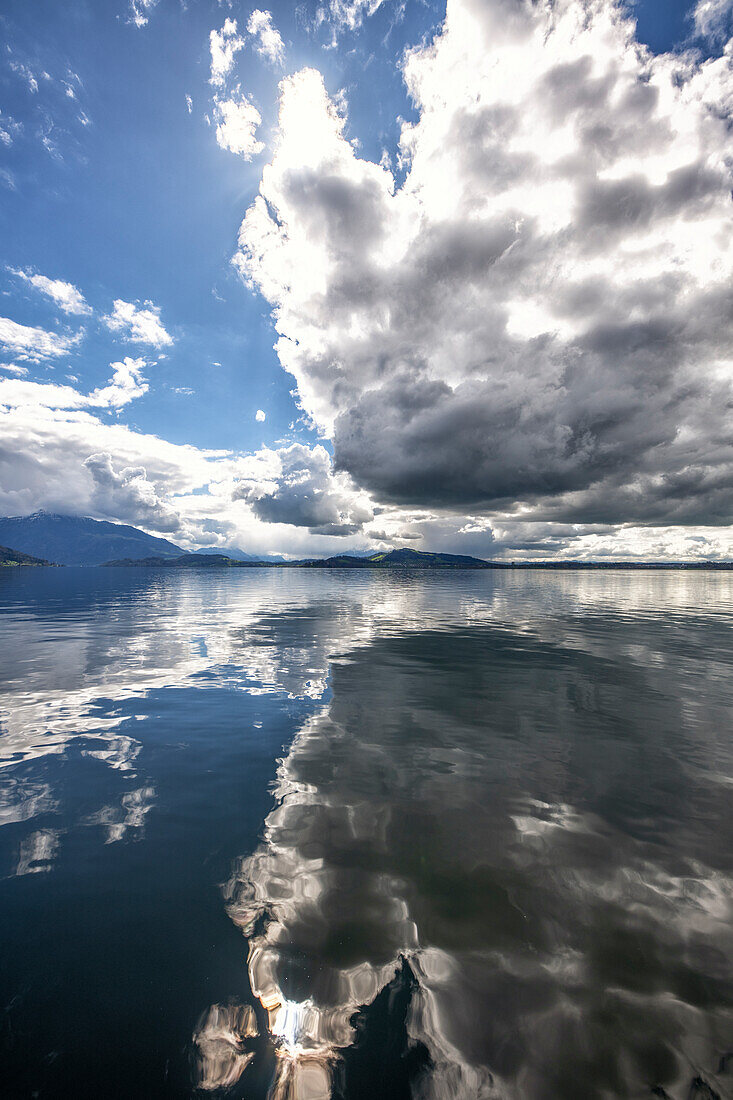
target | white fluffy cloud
[
  {"x": 224, "y": 46},
  {"x": 581, "y": 542},
  {"x": 141, "y": 325},
  {"x": 268, "y": 44},
  {"x": 57, "y": 452},
  {"x": 713, "y": 18},
  {"x": 65, "y": 295},
  {"x": 34, "y": 344},
  {"x": 235, "y": 116},
  {"x": 43, "y": 450},
  {"x": 126, "y": 383},
  {"x": 260, "y": 416},
  {"x": 236, "y": 124},
  {"x": 535, "y": 323}
]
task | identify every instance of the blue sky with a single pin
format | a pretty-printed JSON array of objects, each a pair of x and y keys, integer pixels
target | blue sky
[
  {"x": 141, "y": 203},
  {"x": 112, "y": 181}
]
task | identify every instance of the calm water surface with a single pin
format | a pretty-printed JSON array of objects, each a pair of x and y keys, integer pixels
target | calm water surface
[{"x": 366, "y": 835}]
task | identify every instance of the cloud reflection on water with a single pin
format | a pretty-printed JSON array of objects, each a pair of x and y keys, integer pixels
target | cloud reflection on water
[
  {"x": 510, "y": 815},
  {"x": 520, "y": 817}
]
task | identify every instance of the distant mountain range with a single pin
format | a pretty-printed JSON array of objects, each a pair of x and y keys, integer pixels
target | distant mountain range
[
  {"x": 239, "y": 555},
  {"x": 78, "y": 540},
  {"x": 190, "y": 561},
  {"x": 17, "y": 557},
  {"x": 401, "y": 559}
]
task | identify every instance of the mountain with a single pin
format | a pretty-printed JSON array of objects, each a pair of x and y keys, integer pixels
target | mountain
[
  {"x": 78, "y": 540},
  {"x": 393, "y": 559},
  {"x": 17, "y": 557},
  {"x": 187, "y": 561},
  {"x": 400, "y": 559},
  {"x": 239, "y": 555}
]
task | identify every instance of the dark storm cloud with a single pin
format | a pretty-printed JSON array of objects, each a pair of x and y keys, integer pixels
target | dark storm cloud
[
  {"x": 126, "y": 494},
  {"x": 302, "y": 491}
]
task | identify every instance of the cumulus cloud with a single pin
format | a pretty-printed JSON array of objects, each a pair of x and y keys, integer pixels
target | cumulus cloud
[
  {"x": 128, "y": 495},
  {"x": 48, "y": 431},
  {"x": 260, "y": 416},
  {"x": 237, "y": 120},
  {"x": 599, "y": 542},
  {"x": 536, "y": 322},
  {"x": 224, "y": 46},
  {"x": 34, "y": 344},
  {"x": 235, "y": 115},
  {"x": 126, "y": 383},
  {"x": 59, "y": 451},
  {"x": 296, "y": 485},
  {"x": 141, "y": 325},
  {"x": 65, "y": 295},
  {"x": 43, "y": 451},
  {"x": 269, "y": 44}
]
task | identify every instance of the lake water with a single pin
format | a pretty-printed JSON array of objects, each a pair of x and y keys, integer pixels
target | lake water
[{"x": 366, "y": 835}]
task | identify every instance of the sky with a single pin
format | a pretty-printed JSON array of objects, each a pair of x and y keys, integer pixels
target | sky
[{"x": 357, "y": 274}]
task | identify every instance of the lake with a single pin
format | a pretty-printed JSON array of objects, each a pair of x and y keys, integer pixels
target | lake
[{"x": 366, "y": 835}]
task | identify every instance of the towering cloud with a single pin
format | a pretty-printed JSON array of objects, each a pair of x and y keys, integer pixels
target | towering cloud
[{"x": 536, "y": 322}]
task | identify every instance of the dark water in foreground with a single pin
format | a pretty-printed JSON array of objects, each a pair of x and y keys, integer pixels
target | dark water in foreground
[{"x": 366, "y": 835}]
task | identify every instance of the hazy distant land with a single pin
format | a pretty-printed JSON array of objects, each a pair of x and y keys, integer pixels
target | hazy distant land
[
  {"x": 49, "y": 539},
  {"x": 404, "y": 559}
]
